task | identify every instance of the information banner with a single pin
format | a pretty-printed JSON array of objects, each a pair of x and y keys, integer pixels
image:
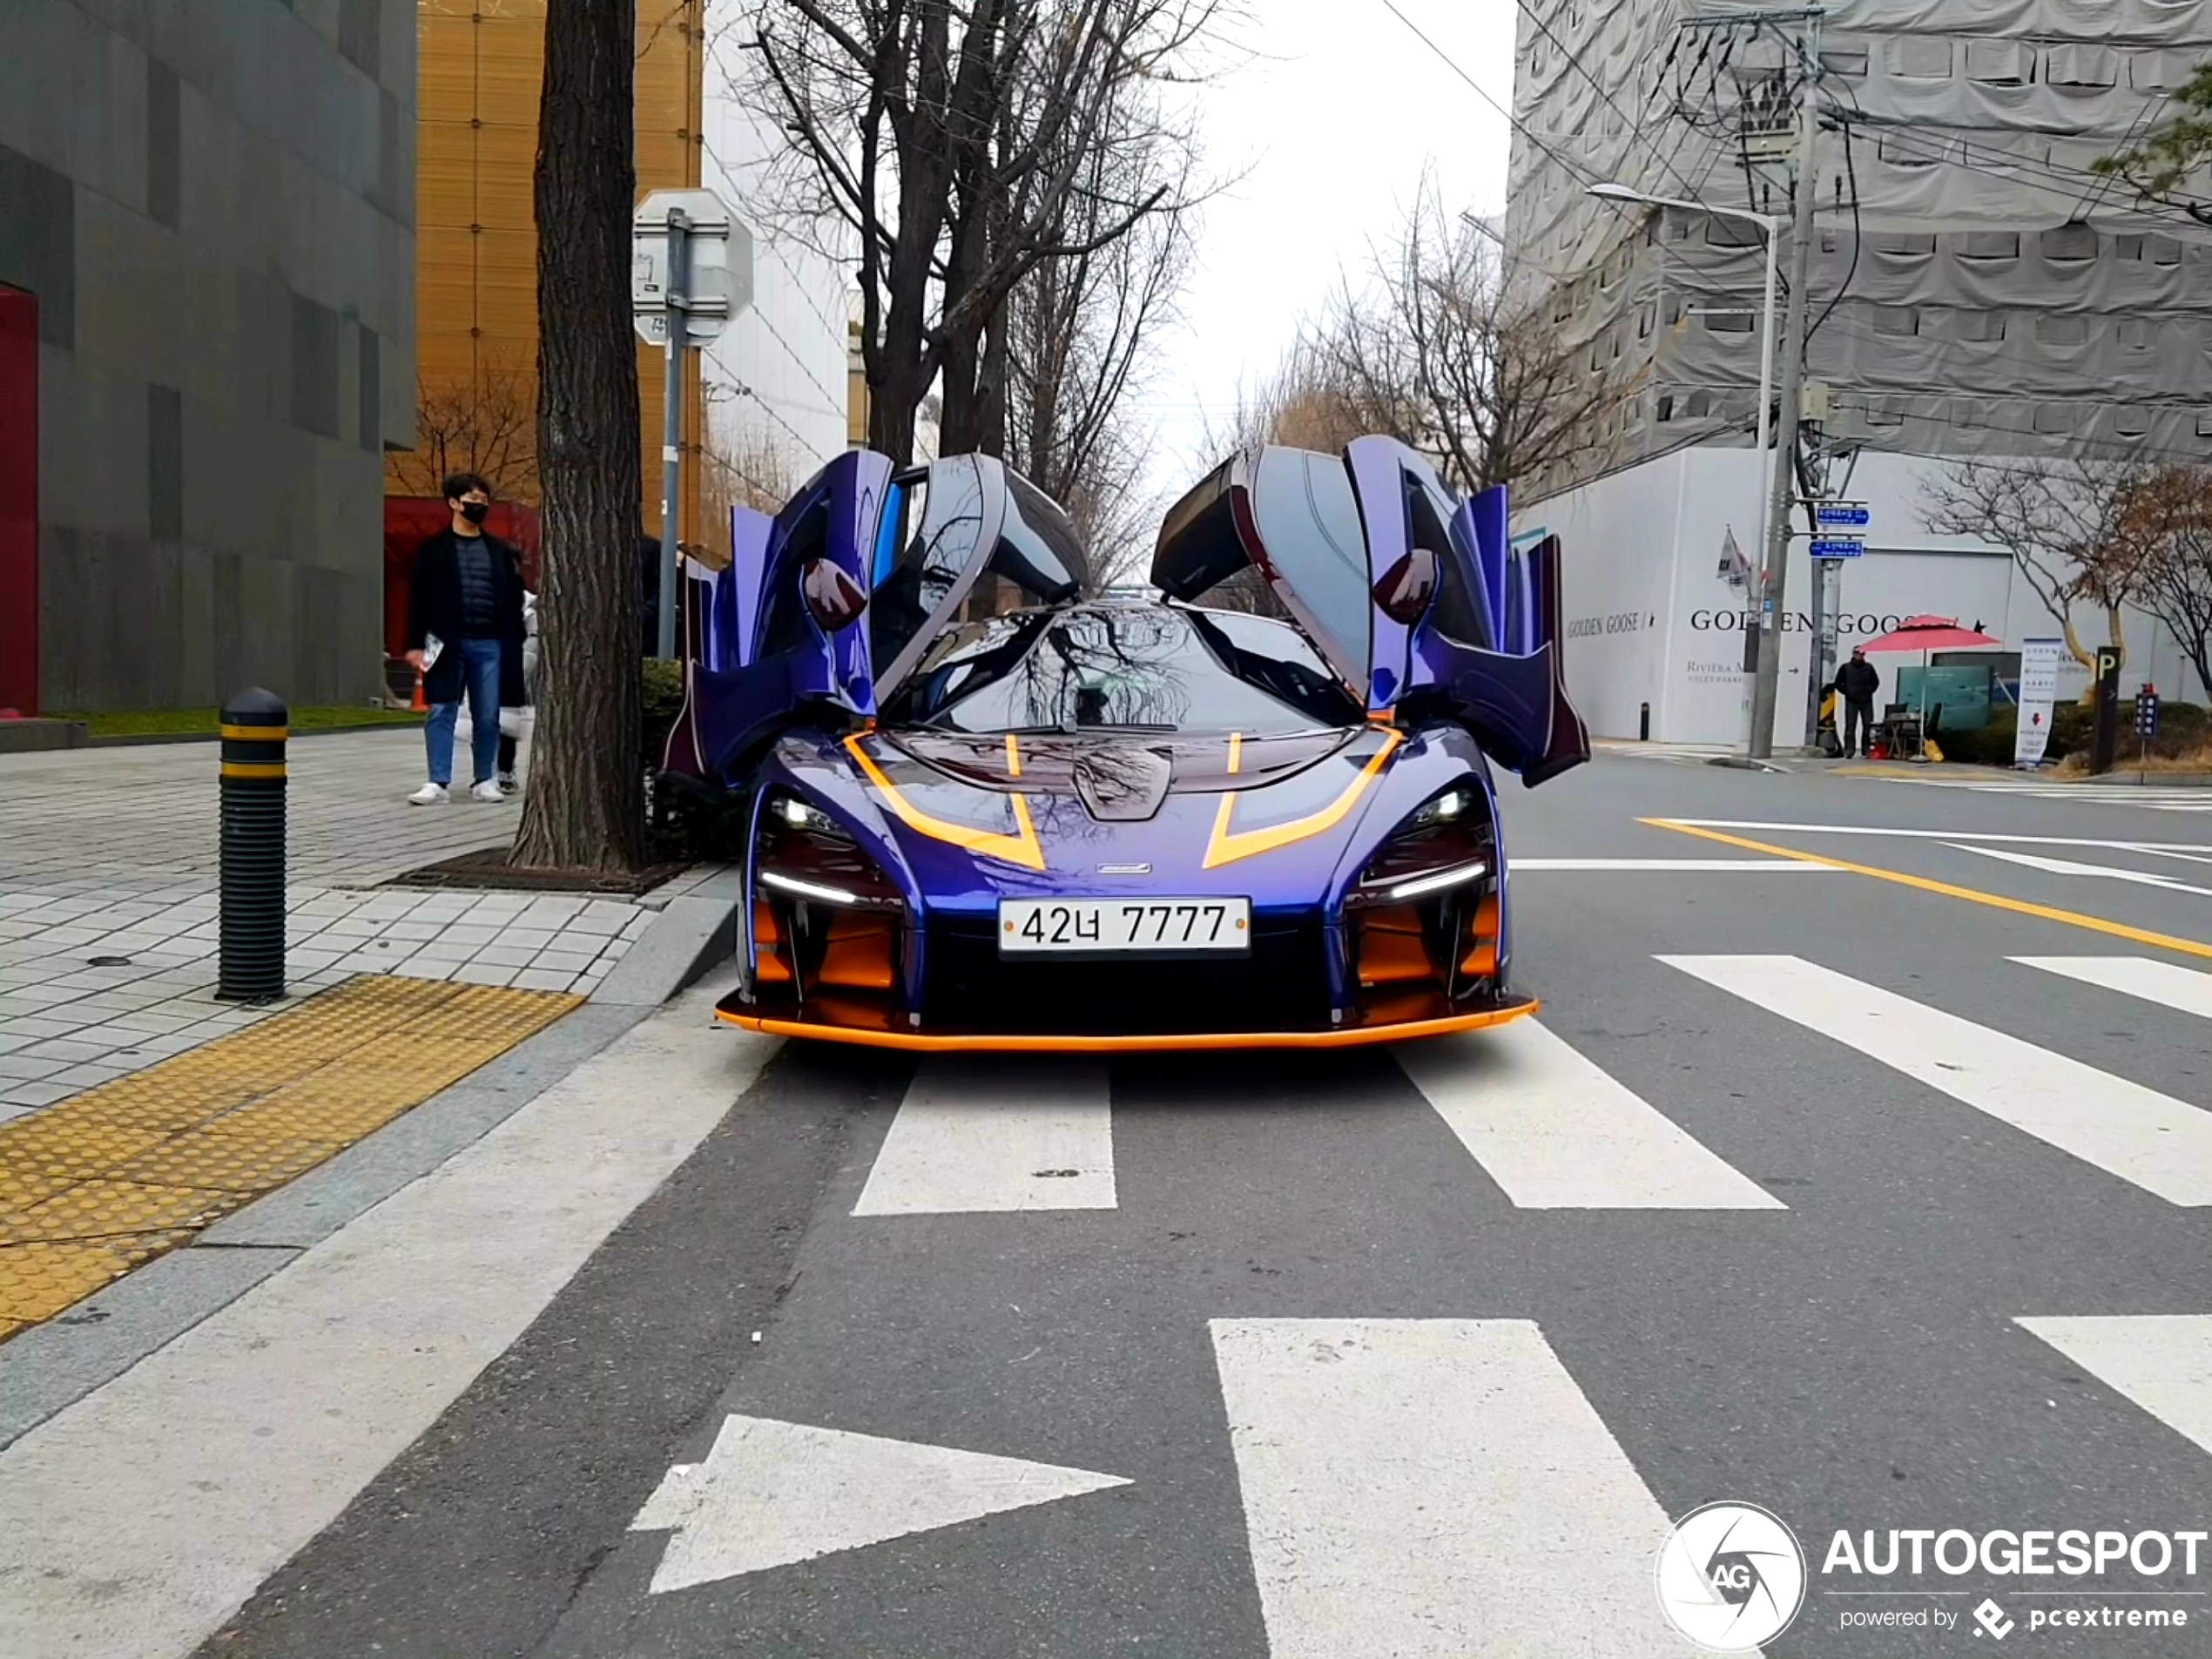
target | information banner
[{"x": 2039, "y": 689}]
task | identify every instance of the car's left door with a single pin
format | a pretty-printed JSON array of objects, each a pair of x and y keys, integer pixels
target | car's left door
[{"x": 804, "y": 639}]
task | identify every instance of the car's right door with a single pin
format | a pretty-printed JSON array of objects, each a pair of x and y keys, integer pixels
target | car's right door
[{"x": 1488, "y": 650}]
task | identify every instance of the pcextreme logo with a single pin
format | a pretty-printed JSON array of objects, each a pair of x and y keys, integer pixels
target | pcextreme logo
[{"x": 1731, "y": 1577}]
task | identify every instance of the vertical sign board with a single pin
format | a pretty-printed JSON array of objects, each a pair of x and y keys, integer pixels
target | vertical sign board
[
  {"x": 2039, "y": 691},
  {"x": 18, "y": 501}
]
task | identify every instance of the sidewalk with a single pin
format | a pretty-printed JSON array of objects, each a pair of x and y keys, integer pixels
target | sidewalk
[{"x": 109, "y": 909}]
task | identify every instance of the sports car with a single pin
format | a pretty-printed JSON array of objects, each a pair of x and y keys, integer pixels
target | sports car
[{"x": 990, "y": 809}]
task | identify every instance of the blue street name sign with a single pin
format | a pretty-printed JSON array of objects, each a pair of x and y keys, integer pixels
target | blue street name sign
[
  {"x": 1843, "y": 515},
  {"x": 1838, "y": 547}
]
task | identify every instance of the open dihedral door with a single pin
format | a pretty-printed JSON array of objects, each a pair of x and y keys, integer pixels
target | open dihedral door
[
  {"x": 787, "y": 624},
  {"x": 1410, "y": 599},
  {"x": 1490, "y": 648},
  {"x": 1292, "y": 516}
]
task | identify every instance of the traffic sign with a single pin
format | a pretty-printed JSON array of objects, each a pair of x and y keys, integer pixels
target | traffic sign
[
  {"x": 716, "y": 250},
  {"x": 1844, "y": 514},
  {"x": 1838, "y": 547}
]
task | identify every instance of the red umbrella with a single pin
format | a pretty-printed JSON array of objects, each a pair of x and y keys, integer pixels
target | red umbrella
[
  {"x": 1925, "y": 634},
  {"x": 1931, "y": 633}
]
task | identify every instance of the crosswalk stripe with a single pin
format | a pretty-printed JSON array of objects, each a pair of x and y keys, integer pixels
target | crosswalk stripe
[
  {"x": 2162, "y": 1361},
  {"x": 1555, "y": 1131},
  {"x": 2156, "y": 1142},
  {"x": 1434, "y": 1489},
  {"x": 2176, "y": 986},
  {"x": 996, "y": 1132}
]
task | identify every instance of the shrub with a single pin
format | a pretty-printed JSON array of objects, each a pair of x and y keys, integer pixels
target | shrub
[{"x": 2182, "y": 728}]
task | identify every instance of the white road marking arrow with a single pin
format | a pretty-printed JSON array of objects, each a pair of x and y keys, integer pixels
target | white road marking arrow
[
  {"x": 771, "y": 1494},
  {"x": 2067, "y": 866}
]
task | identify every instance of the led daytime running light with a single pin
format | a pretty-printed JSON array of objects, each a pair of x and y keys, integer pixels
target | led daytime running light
[
  {"x": 1437, "y": 882},
  {"x": 792, "y": 884}
]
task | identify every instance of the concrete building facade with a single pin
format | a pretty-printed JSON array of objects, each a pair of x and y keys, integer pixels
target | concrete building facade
[
  {"x": 1978, "y": 290},
  {"x": 206, "y": 221}
]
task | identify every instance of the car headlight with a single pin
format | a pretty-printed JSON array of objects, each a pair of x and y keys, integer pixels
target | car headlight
[
  {"x": 1445, "y": 844},
  {"x": 803, "y": 815},
  {"x": 1445, "y": 809},
  {"x": 806, "y": 854}
]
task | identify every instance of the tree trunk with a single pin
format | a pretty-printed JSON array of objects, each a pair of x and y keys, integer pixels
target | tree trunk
[{"x": 585, "y": 809}]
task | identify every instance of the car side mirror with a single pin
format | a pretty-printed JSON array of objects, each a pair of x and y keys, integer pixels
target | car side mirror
[
  {"x": 835, "y": 598},
  {"x": 1405, "y": 589}
]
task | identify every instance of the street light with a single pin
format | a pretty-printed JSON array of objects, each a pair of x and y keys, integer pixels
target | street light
[{"x": 1771, "y": 225}]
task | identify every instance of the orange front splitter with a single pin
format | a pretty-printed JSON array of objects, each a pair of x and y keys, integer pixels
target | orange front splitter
[{"x": 1157, "y": 1043}]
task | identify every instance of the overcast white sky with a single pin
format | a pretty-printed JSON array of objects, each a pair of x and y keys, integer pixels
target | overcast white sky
[{"x": 1335, "y": 120}]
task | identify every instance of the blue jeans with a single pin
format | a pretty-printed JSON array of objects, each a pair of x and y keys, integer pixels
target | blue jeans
[{"x": 480, "y": 681}]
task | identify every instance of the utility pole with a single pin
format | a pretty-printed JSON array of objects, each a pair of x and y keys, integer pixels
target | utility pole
[{"x": 1774, "y": 577}]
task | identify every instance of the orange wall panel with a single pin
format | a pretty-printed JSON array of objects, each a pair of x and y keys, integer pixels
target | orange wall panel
[
  {"x": 445, "y": 175},
  {"x": 511, "y": 70},
  {"x": 506, "y": 178},
  {"x": 446, "y": 66},
  {"x": 483, "y": 61}
]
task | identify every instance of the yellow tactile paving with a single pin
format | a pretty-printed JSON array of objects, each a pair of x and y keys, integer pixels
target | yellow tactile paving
[{"x": 100, "y": 1183}]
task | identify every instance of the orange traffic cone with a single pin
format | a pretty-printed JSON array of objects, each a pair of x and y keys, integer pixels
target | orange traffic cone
[{"x": 421, "y": 704}]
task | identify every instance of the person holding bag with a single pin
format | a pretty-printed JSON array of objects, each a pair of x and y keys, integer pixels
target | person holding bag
[{"x": 464, "y": 612}]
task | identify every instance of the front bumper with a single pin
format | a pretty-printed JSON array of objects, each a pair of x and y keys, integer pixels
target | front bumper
[{"x": 884, "y": 1036}]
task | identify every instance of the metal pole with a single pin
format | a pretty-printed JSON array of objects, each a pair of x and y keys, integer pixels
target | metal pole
[
  {"x": 1765, "y": 686},
  {"x": 671, "y": 453}
]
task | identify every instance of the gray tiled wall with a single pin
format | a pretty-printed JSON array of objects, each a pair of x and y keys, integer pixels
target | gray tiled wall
[{"x": 213, "y": 203}]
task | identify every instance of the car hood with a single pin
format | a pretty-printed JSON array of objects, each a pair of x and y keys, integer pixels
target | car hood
[{"x": 961, "y": 821}]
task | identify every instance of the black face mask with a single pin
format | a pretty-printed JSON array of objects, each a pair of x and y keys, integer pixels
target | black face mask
[{"x": 475, "y": 511}]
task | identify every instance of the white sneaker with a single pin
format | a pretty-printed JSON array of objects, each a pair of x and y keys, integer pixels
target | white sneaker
[
  {"x": 486, "y": 790},
  {"x": 430, "y": 795},
  {"x": 507, "y": 786}
]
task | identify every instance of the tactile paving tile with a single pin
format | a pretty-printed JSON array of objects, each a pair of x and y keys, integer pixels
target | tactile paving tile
[
  {"x": 93, "y": 1186},
  {"x": 109, "y": 1210}
]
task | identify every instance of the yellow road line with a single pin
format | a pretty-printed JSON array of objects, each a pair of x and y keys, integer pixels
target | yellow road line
[
  {"x": 1972, "y": 895},
  {"x": 106, "y": 1180}
]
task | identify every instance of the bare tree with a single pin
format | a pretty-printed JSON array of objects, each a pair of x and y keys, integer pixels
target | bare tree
[
  {"x": 585, "y": 808},
  {"x": 485, "y": 424},
  {"x": 1433, "y": 349},
  {"x": 2163, "y": 552},
  {"x": 2062, "y": 523},
  {"x": 1081, "y": 337},
  {"x": 954, "y": 138},
  {"x": 738, "y": 468}
]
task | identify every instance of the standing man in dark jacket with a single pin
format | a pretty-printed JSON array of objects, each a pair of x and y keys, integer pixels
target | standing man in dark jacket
[
  {"x": 466, "y": 595},
  {"x": 1856, "y": 684}
]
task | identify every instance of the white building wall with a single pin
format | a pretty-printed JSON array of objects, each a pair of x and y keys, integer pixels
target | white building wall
[
  {"x": 1650, "y": 619},
  {"x": 776, "y": 380}
]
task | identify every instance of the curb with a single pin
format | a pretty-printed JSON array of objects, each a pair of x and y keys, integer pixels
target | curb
[
  {"x": 694, "y": 934},
  {"x": 149, "y": 739},
  {"x": 36, "y": 736}
]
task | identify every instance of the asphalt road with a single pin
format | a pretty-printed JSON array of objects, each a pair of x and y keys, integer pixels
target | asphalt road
[{"x": 1341, "y": 1356}]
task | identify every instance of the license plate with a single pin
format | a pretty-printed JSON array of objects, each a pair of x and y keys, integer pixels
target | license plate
[{"x": 1119, "y": 927}]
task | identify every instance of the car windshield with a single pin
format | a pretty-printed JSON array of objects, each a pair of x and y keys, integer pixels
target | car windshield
[{"x": 1141, "y": 668}]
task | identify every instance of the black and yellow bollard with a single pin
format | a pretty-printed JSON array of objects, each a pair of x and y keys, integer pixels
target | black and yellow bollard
[{"x": 255, "y": 726}]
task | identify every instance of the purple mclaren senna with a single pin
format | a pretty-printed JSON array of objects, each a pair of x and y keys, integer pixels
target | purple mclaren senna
[{"x": 1086, "y": 822}]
